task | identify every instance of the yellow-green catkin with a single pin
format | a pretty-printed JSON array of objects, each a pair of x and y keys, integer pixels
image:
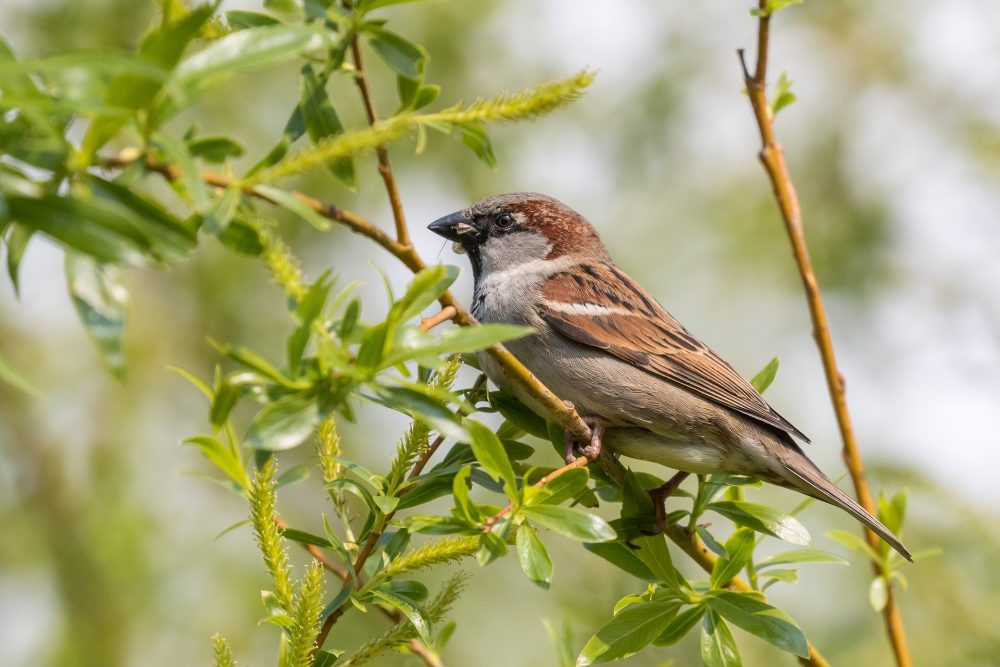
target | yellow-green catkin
[
  {"x": 328, "y": 449},
  {"x": 263, "y": 516},
  {"x": 524, "y": 104},
  {"x": 433, "y": 553},
  {"x": 305, "y": 615},
  {"x": 220, "y": 649}
]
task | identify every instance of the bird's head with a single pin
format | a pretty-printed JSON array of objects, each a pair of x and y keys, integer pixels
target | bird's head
[{"x": 501, "y": 232}]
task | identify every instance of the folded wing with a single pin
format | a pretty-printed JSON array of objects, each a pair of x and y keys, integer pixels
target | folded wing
[{"x": 598, "y": 305}]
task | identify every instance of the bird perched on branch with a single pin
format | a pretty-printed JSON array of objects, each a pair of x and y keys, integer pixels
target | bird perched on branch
[{"x": 649, "y": 389}]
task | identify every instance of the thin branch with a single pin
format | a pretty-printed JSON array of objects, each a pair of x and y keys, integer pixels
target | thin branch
[
  {"x": 384, "y": 167},
  {"x": 773, "y": 159},
  {"x": 446, "y": 313},
  {"x": 578, "y": 462}
]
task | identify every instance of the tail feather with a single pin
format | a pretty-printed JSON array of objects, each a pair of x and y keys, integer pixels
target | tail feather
[{"x": 809, "y": 479}]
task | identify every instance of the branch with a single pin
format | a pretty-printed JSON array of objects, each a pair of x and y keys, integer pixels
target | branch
[
  {"x": 444, "y": 315},
  {"x": 384, "y": 168},
  {"x": 579, "y": 462},
  {"x": 773, "y": 159}
]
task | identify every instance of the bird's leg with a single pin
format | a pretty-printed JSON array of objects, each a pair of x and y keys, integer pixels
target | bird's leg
[
  {"x": 659, "y": 497},
  {"x": 592, "y": 450}
]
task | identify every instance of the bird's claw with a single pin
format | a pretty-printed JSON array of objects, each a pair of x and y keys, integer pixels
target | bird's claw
[{"x": 592, "y": 450}]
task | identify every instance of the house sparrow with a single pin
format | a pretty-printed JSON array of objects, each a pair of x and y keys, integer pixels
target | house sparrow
[{"x": 604, "y": 344}]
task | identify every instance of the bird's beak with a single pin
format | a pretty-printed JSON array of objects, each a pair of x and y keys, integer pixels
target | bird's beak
[{"x": 455, "y": 227}]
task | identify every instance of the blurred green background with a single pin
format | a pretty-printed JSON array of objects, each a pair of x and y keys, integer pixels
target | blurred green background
[{"x": 108, "y": 554}]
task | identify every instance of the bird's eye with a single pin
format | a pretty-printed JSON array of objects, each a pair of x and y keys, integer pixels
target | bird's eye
[{"x": 505, "y": 221}]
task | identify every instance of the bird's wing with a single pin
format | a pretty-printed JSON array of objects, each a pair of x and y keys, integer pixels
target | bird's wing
[{"x": 598, "y": 305}]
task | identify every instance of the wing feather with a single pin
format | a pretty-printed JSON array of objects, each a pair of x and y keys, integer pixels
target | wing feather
[{"x": 598, "y": 305}]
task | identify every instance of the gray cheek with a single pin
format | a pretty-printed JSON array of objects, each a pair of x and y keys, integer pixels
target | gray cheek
[{"x": 509, "y": 250}]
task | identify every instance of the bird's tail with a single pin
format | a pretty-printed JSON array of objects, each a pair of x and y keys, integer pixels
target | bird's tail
[{"x": 807, "y": 478}]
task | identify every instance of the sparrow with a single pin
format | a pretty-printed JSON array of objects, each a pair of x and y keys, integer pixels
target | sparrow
[{"x": 602, "y": 343}]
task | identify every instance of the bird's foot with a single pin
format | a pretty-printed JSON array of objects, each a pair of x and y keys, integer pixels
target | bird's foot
[
  {"x": 659, "y": 497},
  {"x": 592, "y": 450}
]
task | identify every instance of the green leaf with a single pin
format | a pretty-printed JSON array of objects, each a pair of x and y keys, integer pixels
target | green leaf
[
  {"x": 221, "y": 456},
  {"x": 759, "y": 618},
  {"x": 93, "y": 228},
  {"x": 241, "y": 237},
  {"x": 176, "y": 152},
  {"x": 421, "y": 406},
  {"x": 739, "y": 548},
  {"x": 293, "y": 204},
  {"x": 564, "y": 487},
  {"x": 217, "y": 148},
  {"x": 321, "y": 120},
  {"x": 773, "y": 6},
  {"x": 654, "y": 553},
  {"x": 765, "y": 377},
  {"x": 307, "y": 311},
  {"x": 892, "y": 512},
  {"x": 632, "y": 629},
  {"x": 222, "y": 209},
  {"x": 878, "y": 594},
  {"x": 680, "y": 626},
  {"x": 239, "y": 19},
  {"x": 783, "y": 95},
  {"x": 459, "y": 340},
  {"x": 17, "y": 244},
  {"x": 402, "y": 56},
  {"x": 376, "y": 4},
  {"x": 571, "y": 523},
  {"x": 763, "y": 519},
  {"x": 418, "y": 617},
  {"x": 491, "y": 455},
  {"x": 16, "y": 379},
  {"x": 424, "y": 290},
  {"x": 621, "y": 557},
  {"x": 460, "y": 489},
  {"x": 518, "y": 414},
  {"x": 170, "y": 239},
  {"x": 477, "y": 138},
  {"x": 491, "y": 547},
  {"x": 533, "y": 557},
  {"x": 294, "y": 128},
  {"x": 99, "y": 299},
  {"x": 801, "y": 556},
  {"x": 284, "y": 424},
  {"x": 292, "y": 475},
  {"x": 853, "y": 542},
  {"x": 243, "y": 50},
  {"x": 718, "y": 648}
]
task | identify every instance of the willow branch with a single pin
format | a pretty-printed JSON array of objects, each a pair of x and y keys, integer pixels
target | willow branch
[
  {"x": 445, "y": 314},
  {"x": 773, "y": 158},
  {"x": 381, "y": 152},
  {"x": 579, "y": 462}
]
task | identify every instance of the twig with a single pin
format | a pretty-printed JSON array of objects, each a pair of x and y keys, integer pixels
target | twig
[
  {"x": 444, "y": 315},
  {"x": 384, "y": 167},
  {"x": 773, "y": 159},
  {"x": 578, "y": 462}
]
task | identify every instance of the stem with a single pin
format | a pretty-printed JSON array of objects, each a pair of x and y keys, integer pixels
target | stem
[
  {"x": 384, "y": 167},
  {"x": 579, "y": 462},
  {"x": 773, "y": 158}
]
